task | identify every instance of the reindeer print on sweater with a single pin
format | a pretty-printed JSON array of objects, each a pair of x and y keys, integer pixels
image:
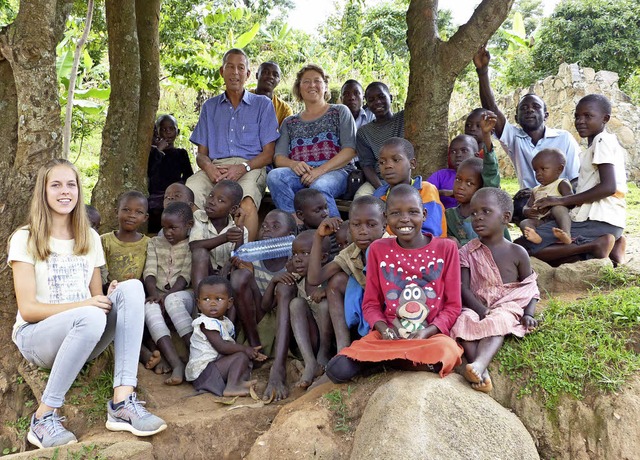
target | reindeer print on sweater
[{"x": 413, "y": 280}]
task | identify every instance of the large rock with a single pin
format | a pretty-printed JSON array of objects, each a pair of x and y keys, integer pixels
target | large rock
[
  {"x": 420, "y": 415},
  {"x": 568, "y": 278}
]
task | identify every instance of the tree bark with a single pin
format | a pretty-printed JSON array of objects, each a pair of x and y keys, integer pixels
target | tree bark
[
  {"x": 30, "y": 133},
  {"x": 148, "y": 18},
  {"x": 433, "y": 69},
  {"x": 119, "y": 165}
]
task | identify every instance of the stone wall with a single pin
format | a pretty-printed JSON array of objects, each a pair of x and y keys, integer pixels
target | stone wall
[{"x": 562, "y": 92}]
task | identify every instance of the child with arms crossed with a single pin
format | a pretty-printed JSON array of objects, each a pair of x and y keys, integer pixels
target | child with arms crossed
[
  {"x": 414, "y": 267},
  {"x": 167, "y": 274},
  {"x": 217, "y": 363},
  {"x": 63, "y": 318},
  {"x": 499, "y": 290}
]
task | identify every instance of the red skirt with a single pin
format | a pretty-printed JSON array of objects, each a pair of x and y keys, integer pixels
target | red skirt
[{"x": 438, "y": 348}]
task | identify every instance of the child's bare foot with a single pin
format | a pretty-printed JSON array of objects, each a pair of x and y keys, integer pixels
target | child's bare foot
[
  {"x": 177, "y": 376},
  {"x": 472, "y": 373},
  {"x": 531, "y": 235},
  {"x": 562, "y": 236},
  {"x": 162, "y": 367},
  {"x": 485, "y": 385},
  {"x": 153, "y": 360},
  {"x": 309, "y": 375},
  {"x": 242, "y": 389}
]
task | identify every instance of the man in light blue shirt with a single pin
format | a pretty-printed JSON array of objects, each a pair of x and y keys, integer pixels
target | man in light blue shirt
[
  {"x": 523, "y": 143},
  {"x": 235, "y": 135}
]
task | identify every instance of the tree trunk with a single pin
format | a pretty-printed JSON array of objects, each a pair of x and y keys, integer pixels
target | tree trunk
[
  {"x": 433, "y": 69},
  {"x": 135, "y": 91},
  {"x": 147, "y": 18},
  {"x": 119, "y": 165},
  {"x": 30, "y": 134}
]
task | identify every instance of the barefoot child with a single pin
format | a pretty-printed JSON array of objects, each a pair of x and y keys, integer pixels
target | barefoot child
[
  {"x": 345, "y": 273},
  {"x": 63, "y": 319},
  {"x": 217, "y": 363},
  {"x": 461, "y": 148},
  {"x": 499, "y": 290},
  {"x": 214, "y": 233},
  {"x": 548, "y": 165},
  {"x": 167, "y": 274},
  {"x": 310, "y": 320},
  {"x": 397, "y": 160},
  {"x": 125, "y": 249},
  {"x": 264, "y": 290},
  {"x": 598, "y": 218},
  {"x": 414, "y": 267}
]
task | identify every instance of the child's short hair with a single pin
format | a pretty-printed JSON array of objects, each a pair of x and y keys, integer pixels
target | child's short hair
[
  {"x": 303, "y": 195},
  {"x": 404, "y": 190},
  {"x": 371, "y": 85},
  {"x": 166, "y": 116},
  {"x": 215, "y": 280},
  {"x": 92, "y": 213},
  {"x": 291, "y": 222},
  {"x": 180, "y": 209},
  {"x": 234, "y": 189},
  {"x": 476, "y": 112},
  {"x": 474, "y": 164},
  {"x": 554, "y": 153},
  {"x": 598, "y": 99},
  {"x": 310, "y": 234},
  {"x": 190, "y": 196},
  {"x": 351, "y": 82},
  {"x": 502, "y": 198},
  {"x": 466, "y": 138},
  {"x": 404, "y": 145},
  {"x": 368, "y": 200},
  {"x": 132, "y": 194}
]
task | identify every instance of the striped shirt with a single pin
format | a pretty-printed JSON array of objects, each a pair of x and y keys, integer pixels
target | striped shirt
[
  {"x": 371, "y": 136},
  {"x": 167, "y": 262}
]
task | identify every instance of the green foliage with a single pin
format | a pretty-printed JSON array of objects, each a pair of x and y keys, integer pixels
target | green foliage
[
  {"x": 602, "y": 34},
  {"x": 632, "y": 86},
  {"x": 21, "y": 426},
  {"x": 8, "y": 11},
  {"x": 579, "y": 346},
  {"x": 337, "y": 404}
]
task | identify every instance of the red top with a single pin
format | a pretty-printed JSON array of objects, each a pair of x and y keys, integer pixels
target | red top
[{"x": 429, "y": 275}]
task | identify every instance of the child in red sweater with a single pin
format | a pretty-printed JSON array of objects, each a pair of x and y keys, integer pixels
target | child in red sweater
[{"x": 413, "y": 270}]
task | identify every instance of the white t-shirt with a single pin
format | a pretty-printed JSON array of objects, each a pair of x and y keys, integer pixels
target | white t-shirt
[
  {"x": 605, "y": 149},
  {"x": 201, "y": 351},
  {"x": 64, "y": 277}
]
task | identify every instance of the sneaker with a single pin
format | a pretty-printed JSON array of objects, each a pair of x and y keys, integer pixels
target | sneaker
[
  {"x": 49, "y": 432},
  {"x": 133, "y": 417}
]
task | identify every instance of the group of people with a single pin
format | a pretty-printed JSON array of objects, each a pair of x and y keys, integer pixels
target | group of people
[{"x": 422, "y": 274}]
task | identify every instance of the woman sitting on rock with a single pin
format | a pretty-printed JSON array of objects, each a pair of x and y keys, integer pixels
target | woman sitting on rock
[{"x": 316, "y": 147}]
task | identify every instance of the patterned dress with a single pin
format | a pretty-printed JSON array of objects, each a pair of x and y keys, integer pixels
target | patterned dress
[{"x": 506, "y": 301}]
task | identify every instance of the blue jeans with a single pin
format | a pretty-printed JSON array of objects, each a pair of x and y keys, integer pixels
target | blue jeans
[
  {"x": 283, "y": 184},
  {"x": 65, "y": 341}
]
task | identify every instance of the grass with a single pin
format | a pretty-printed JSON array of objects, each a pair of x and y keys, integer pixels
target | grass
[
  {"x": 580, "y": 346},
  {"x": 337, "y": 404},
  {"x": 95, "y": 391}
]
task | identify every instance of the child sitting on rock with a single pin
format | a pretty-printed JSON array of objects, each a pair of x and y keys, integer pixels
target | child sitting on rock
[
  {"x": 413, "y": 267},
  {"x": 217, "y": 363},
  {"x": 499, "y": 290},
  {"x": 548, "y": 165}
]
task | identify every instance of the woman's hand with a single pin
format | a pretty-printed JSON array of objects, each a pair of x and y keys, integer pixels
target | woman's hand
[
  {"x": 301, "y": 168},
  {"x": 100, "y": 301},
  {"x": 310, "y": 177},
  {"x": 548, "y": 202},
  {"x": 112, "y": 287}
]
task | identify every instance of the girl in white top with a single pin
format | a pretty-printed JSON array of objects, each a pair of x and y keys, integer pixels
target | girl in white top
[{"x": 63, "y": 318}]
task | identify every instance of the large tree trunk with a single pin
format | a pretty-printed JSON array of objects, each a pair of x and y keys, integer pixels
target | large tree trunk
[
  {"x": 134, "y": 68},
  {"x": 119, "y": 167},
  {"x": 148, "y": 18},
  {"x": 434, "y": 67},
  {"x": 30, "y": 135}
]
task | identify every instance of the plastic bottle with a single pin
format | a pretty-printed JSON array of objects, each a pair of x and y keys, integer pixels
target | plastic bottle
[{"x": 272, "y": 248}]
